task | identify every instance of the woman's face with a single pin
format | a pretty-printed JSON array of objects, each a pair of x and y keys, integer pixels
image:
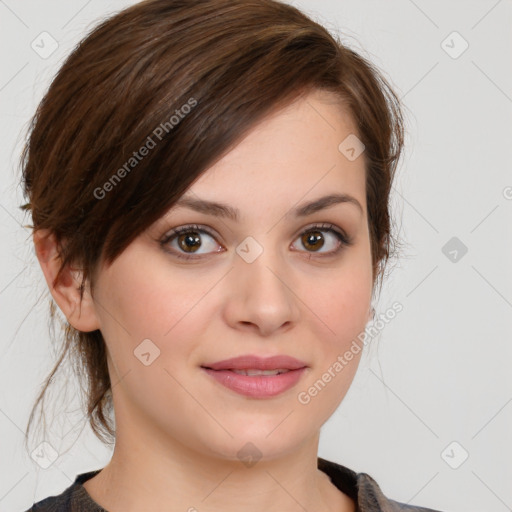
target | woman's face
[{"x": 275, "y": 280}]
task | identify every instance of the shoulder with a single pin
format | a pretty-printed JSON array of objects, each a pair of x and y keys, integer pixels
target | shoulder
[
  {"x": 61, "y": 502},
  {"x": 72, "y": 499},
  {"x": 371, "y": 497},
  {"x": 364, "y": 490}
]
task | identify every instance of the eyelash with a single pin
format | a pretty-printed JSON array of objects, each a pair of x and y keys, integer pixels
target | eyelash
[{"x": 345, "y": 241}]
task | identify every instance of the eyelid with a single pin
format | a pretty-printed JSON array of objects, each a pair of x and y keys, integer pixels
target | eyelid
[
  {"x": 326, "y": 226},
  {"x": 186, "y": 228},
  {"x": 171, "y": 234}
]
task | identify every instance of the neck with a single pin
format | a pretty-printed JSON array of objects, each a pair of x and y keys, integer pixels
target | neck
[{"x": 152, "y": 472}]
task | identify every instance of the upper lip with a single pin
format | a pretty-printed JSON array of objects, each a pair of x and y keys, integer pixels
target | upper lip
[{"x": 253, "y": 362}]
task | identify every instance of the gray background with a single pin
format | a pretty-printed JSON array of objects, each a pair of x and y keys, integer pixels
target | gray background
[{"x": 439, "y": 372}]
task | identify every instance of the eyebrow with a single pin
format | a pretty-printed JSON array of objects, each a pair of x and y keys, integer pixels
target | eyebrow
[{"x": 223, "y": 210}]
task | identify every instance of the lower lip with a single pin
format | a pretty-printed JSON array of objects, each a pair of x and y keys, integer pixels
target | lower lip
[{"x": 258, "y": 386}]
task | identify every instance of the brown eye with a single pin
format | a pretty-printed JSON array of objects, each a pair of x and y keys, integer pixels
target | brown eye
[
  {"x": 313, "y": 240},
  {"x": 324, "y": 239},
  {"x": 190, "y": 241}
]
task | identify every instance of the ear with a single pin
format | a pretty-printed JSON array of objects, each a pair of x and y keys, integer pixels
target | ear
[{"x": 81, "y": 313}]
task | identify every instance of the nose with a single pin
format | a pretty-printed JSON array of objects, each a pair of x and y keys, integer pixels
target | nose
[{"x": 261, "y": 298}]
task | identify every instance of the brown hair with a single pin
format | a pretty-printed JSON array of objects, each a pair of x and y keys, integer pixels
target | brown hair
[{"x": 193, "y": 76}]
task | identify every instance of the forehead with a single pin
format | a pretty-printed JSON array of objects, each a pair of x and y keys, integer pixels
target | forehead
[{"x": 293, "y": 153}]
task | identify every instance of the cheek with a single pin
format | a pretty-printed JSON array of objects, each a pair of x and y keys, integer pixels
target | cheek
[
  {"x": 150, "y": 321},
  {"x": 342, "y": 303},
  {"x": 340, "y": 317},
  {"x": 342, "y": 313},
  {"x": 145, "y": 299},
  {"x": 339, "y": 314}
]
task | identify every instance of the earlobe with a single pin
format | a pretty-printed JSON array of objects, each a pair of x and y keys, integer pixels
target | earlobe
[{"x": 80, "y": 312}]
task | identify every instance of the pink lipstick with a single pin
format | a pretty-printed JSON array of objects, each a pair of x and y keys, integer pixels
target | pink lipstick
[{"x": 257, "y": 377}]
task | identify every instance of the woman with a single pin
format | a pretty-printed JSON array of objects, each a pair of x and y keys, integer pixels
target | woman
[{"x": 209, "y": 184}]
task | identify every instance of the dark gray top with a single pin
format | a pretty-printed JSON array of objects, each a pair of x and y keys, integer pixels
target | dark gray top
[{"x": 361, "y": 487}]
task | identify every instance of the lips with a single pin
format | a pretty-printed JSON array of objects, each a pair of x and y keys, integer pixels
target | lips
[
  {"x": 281, "y": 363},
  {"x": 255, "y": 376},
  {"x": 251, "y": 373}
]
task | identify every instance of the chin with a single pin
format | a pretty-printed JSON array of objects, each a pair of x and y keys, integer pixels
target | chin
[{"x": 252, "y": 444}]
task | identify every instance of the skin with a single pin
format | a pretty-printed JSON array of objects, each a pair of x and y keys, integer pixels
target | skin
[{"x": 178, "y": 430}]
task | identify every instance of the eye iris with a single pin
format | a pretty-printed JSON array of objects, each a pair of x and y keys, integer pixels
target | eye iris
[
  {"x": 311, "y": 239},
  {"x": 190, "y": 240}
]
